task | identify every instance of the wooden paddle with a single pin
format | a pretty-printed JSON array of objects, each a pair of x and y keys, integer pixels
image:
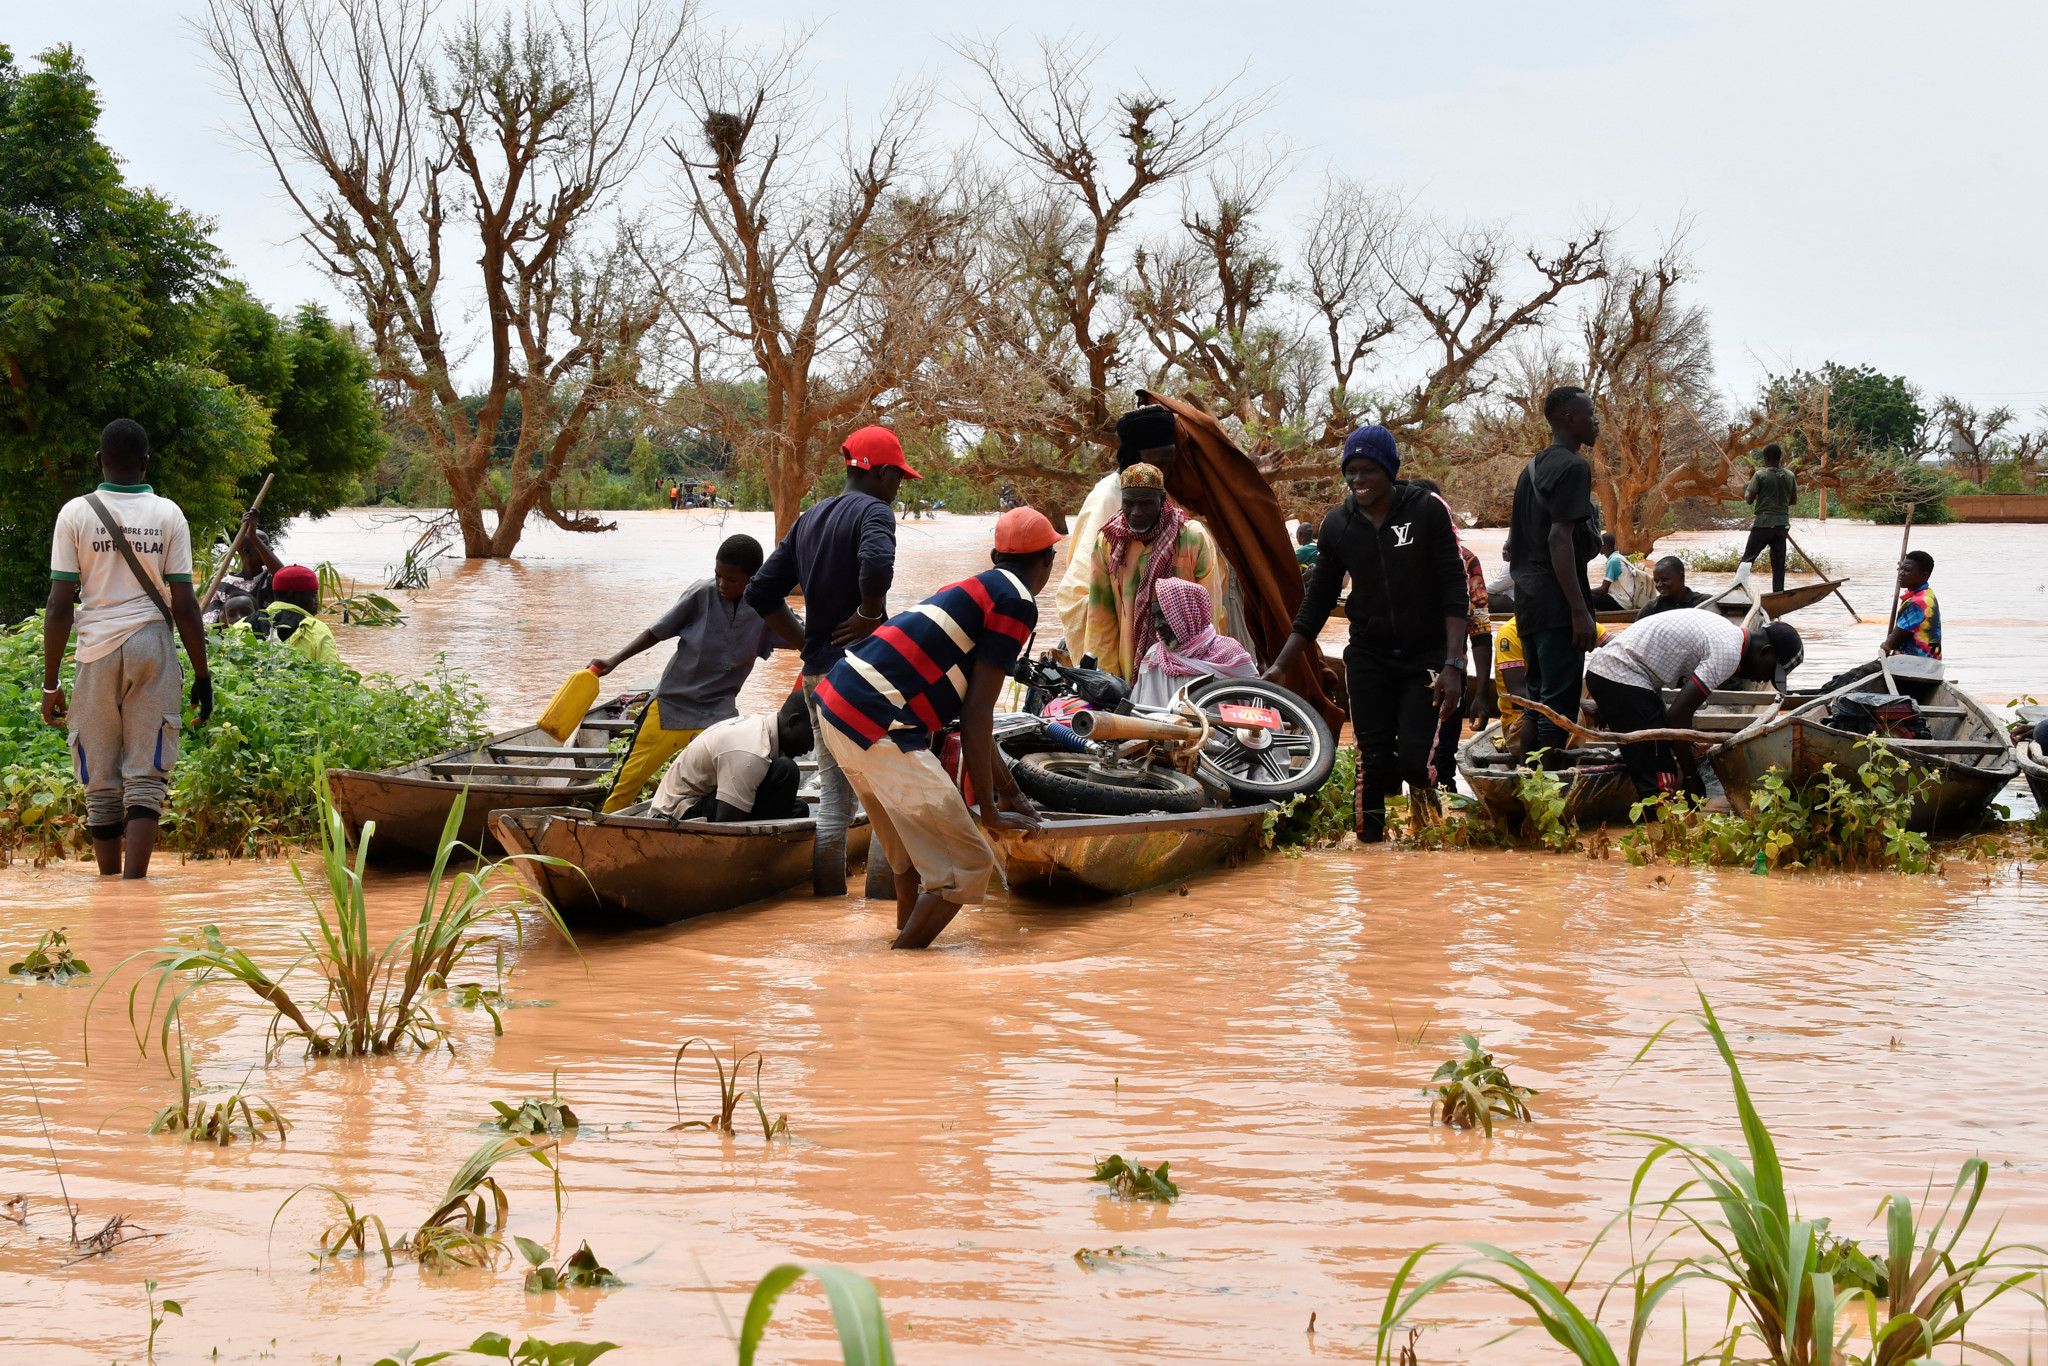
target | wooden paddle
[
  {"x": 220, "y": 571},
  {"x": 1891, "y": 620}
]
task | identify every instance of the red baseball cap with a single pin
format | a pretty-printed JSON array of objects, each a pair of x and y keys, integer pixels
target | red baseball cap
[
  {"x": 1024, "y": 531},
  {"x": 295, "y": 578},
  {"x": 876, "y": 448}
]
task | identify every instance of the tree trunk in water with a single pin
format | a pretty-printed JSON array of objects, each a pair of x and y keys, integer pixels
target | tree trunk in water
[{"x": 787, "y": 484}]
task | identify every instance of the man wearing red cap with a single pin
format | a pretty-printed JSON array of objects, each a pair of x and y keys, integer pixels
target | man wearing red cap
[
  {"x": 943, "y": 660},
  {"x": 295, "y": 614},
  {"x": 842, "y": 554}
]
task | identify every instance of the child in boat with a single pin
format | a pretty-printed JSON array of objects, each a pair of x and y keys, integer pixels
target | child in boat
[
  {"x": 1916, "y": 630},
  {"x": 743, "y": 769},
  {"x": 944, "y": 660},
  {"x": 718, "y": 640}
]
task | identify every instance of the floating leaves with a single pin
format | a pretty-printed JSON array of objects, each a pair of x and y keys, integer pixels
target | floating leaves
[
  {"x": 1131, "y": 1181},
  {"x": 51, "y": 960},
  {"x": 581, "y": 1272}
]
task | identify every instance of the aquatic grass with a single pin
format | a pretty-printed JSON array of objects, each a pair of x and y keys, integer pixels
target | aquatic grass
[
  {"x": 529, "y": 1351},
  {"x": 351, "y": 1228},
  {"x": 158, "y": 1312},
  {"x": 339, "y": 598},
  {"x": 582, "y": 1271},
  {"x": 1133, "y": 1181},
  {"x": 857, "y": 1315},
  {"x": 1453, "y": 821},
  {"x": 1791, "y": 1287},
  {"x": 372, "y": 1001},
  {"x": 51, "y": 960},
  {"x": 1472, "y": 1091},
  {"x": 462, "y": 1229},
  {"x": 535, "y": 1115},
  {"x": 218, "y": 1122},
  {"x": 729, "y": 1093}
]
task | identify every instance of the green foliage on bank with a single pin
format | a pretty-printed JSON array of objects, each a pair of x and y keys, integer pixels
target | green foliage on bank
[
  {"x": 244, "y": 782},
  {"x": 113, "y": 303}
]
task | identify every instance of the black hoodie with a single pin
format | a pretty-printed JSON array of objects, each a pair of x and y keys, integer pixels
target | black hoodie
[{"x": 1406, "y": 576}]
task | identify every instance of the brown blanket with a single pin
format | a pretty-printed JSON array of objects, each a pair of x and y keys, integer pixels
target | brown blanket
[{"x": 1218, "y": 483}]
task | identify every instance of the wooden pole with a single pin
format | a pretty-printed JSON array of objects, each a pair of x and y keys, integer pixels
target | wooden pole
[
  {"x": 1810, "y": 564},
  {"x": 220, "y": 571},
  {"x": 1576, "y": 732},
  {"x": 1891, "y": 620}
]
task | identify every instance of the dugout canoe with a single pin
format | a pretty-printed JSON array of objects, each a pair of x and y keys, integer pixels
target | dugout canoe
[
  {"x": 1968, "y": 759},
  {"x": 513, "y": 769},
  {"x": 2032, "y": 760},
  {"x": 632, "y": 870},
  {"x": 1776, "y": 605},
  {"x": 1597, "y": 791},
  {"x": 1079, "y": 858}
]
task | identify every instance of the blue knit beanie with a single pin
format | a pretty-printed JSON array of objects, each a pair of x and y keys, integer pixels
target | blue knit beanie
[{"x": 1372, "y": 443}]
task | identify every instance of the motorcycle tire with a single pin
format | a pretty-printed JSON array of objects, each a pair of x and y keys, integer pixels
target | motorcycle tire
[
  {"x": 1297, "y": 759},
  {"x": 1090, "y": 786}
]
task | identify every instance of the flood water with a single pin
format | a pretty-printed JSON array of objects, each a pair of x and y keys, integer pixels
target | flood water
[{"x": 1256, "y": 1028}]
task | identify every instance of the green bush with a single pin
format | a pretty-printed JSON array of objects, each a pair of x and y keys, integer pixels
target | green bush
[
  {"x": 1314, "y": 820},
  {"x": 244, "y": 783}
]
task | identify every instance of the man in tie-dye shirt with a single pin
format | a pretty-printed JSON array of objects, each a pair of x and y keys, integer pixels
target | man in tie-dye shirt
[{"x": 1916, "y": 630}]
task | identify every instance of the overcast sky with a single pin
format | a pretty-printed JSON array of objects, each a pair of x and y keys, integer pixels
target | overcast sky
[{"x": 1864, "y": 181}]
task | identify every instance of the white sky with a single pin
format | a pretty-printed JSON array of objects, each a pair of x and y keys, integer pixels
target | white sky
[{"x": 1864, "y": 180}]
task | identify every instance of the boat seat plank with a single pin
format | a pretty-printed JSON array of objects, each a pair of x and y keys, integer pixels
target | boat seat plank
[
  {"x": 551, "y": 751},
  {"x": 1950, "y": 746},
  {"x": 463, "y": 770},
  {"x": 609, "y": 723}
]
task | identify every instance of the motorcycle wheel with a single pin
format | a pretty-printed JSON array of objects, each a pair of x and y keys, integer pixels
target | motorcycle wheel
[
  {"x": 1264, "y": 766},
  {"x": 1098, "y": 787}
]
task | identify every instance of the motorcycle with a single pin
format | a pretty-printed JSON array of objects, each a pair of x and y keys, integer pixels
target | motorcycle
[{"x": 1083, "y": 745}]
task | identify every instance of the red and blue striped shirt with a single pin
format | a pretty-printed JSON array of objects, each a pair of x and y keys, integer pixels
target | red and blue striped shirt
[{"x": 908, "y": 679}]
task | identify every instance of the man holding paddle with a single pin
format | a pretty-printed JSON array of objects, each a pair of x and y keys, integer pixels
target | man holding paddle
[{"x": 121, "y": 567}]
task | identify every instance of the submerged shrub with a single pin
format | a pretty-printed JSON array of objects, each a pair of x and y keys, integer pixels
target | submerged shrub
[
  {"x": 1854, "y": 820},
  {"x": 1318, "y": 819},
  {"x": 1472, "y": 1091},
  {"x": 1132, "y": 1181},
  {"x": 51, "y": 960},
  {"x": 244, "y": 781}
]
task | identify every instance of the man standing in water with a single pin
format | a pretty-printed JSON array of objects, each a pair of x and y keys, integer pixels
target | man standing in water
[
  {"x": 1553, "y": 531},
  {"x": 842, "y": 554},
  {"x": 944, "y": 660},
  {"x": 1771, "y": 491},
  {"x": 1408, "y": 612},
  {"x": 124, "y": 569}
]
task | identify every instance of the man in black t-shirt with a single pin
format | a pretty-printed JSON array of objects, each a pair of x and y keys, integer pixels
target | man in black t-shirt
[{"x": 1554, "y": 530}]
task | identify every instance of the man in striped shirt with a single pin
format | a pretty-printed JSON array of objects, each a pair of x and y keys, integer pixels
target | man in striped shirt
[{"x": 943, "y": 660}]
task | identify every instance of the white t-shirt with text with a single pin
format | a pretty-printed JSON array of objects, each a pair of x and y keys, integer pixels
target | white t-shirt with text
[{"x": 112, "y": 605}]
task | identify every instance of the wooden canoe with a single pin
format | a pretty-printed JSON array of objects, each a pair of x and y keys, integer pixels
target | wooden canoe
[
  {"x": 1776, "y": 605},
  {"x": 1968, "y": 760},
  {"x": 1597, "y": 792},
  {"x": 631, "y": 870},
  {"x": 2032, "y": 761},
  {"x": 517, "y": 768},
  {"x": 1074, "y": 858}
]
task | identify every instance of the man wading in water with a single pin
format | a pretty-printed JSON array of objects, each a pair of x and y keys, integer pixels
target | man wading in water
[
  {"x": 1408, "y": 617},
  {"x": 842, "y": 554},
  {"x": 1553, "y": 532},
  {"x": 117, "y": 571},
  {"x": 944, "y": 660}
]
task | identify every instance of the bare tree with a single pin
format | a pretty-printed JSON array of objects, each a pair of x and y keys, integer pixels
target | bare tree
[
  {"x": 1041, "y": 366},
  {"x": 1971, "y": 438},
  {"x": 831, "y": 277},
  {"x": 402, "y": 143}
]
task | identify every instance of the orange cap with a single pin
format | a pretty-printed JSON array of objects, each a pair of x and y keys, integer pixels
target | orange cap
[{"x": 1024, "y": 531}]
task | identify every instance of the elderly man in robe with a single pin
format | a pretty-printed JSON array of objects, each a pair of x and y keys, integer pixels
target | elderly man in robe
[
  {"x": 1151, "y": 538},
  {"x": 1143, "y": 434}
]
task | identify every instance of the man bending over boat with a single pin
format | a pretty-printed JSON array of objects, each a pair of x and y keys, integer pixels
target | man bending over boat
[
  {"x": 1695, "y": 651},
  {"x": 718, "y": 637},
  {"x": 944, "y": 660},
  {"x": 742, "y": 769}
]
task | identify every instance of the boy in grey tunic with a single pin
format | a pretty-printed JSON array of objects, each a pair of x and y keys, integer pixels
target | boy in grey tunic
[{"x": 124, "y": 708}]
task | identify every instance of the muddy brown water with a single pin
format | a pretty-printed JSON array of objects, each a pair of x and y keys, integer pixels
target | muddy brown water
[{"x": 946, "y": 1107}]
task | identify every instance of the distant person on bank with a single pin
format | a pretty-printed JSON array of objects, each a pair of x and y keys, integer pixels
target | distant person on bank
[
  {"x": 944, "y": 660},
  {"x": 842, "y": 554},
  {"x": 1552, "y": 533},
  {"x": 742, "y": 769},
  {"x": 126, "y": 701},
  {"x": 719, "y": 638},
  {"x": 1668, "y": 576},
  {"x": 1916, "y": 630},
  {"x": 1772, "y": 491}
]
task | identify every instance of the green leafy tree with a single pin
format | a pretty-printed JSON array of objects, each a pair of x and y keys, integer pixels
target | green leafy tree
[
  {"x": 325, "y": 438},
  {"x": 102, "y": 292}
]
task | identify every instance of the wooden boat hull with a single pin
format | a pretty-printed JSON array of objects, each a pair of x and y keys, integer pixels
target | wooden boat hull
[
  {"x": 2032, "y": 761},
  {"x": 1775, "y": 605},
  {"x": 1595, "y": 794},
  {"x": 1088, "y": 857},
  {"x": 1800, "y": 745},
  {"x": 632, "y": 871},
  {"x": 410, "y": 804}
]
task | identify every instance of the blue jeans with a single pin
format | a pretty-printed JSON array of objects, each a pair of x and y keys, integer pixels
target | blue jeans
[{"x": 835, "y": 806}]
